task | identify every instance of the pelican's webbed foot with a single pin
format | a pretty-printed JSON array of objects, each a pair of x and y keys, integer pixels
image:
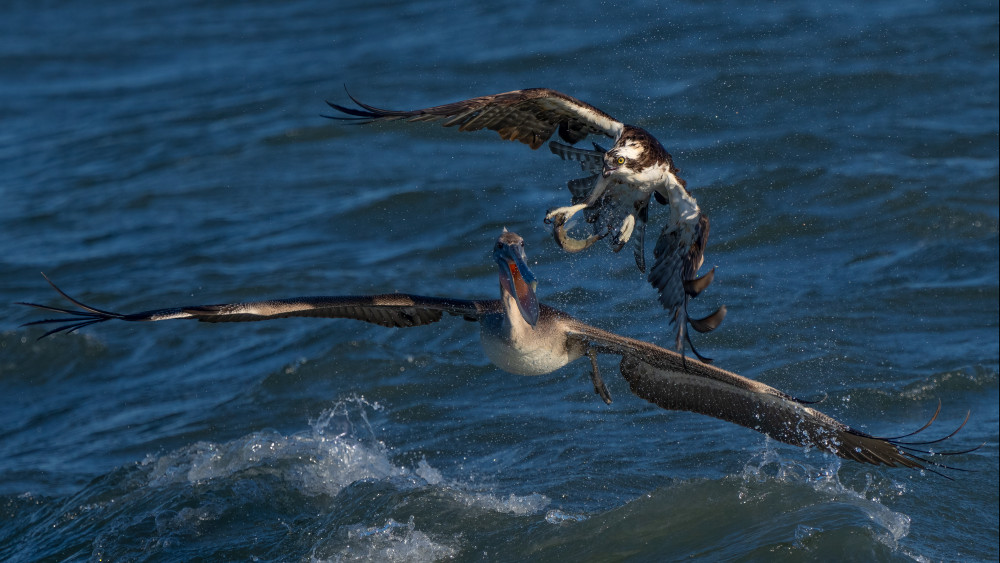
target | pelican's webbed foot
[{"x": 595, "y": 378}]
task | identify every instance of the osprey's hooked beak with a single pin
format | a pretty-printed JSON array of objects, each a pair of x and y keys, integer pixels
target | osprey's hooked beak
[
  {"x": 515, "y": 277},
  {"x": 609, "y": 167}
]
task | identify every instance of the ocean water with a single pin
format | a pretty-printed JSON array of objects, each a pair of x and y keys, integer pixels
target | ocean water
[{"x": 174, "y": 153}]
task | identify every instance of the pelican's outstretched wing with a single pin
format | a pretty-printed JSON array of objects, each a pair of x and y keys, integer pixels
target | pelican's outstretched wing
[
  {"x": 668, "y": 380},
  {"x": 530, "y": 116},
  {"x": 391, "y": 310}
]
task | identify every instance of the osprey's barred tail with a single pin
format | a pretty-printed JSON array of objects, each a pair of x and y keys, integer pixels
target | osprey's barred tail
[
  {"x": 590, "y": 160},
  {"x": 581, "y": 188}
]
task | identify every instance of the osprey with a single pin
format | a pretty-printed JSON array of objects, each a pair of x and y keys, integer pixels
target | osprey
[
  {"x": 524, "y": 337},
  {"x": 615, "y": 196}
]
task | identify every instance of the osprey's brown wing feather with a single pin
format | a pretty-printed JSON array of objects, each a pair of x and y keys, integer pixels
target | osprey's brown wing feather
[
  {"x": 679, "y": 253},
  {"x": 530, "y": 116}
]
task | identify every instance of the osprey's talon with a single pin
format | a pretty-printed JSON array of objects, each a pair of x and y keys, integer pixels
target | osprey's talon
[
  {"x": 558, "y": 218},
  {"x": 561, "y": 215}
]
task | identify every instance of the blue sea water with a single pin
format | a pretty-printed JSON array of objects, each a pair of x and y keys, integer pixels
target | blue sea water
[{"x": 173, "y": 153}]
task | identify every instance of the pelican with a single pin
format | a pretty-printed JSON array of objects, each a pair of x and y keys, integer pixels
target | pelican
[
  {"x": 615, "y": 195},
  {"x": 524, "y": 337}
]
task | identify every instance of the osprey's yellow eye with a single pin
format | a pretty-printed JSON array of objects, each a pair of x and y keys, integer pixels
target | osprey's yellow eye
[{"x": 621, "y": 160}]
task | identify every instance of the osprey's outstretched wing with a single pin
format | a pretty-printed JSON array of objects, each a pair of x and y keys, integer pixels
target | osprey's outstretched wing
[{"x": 530, "y": 116}]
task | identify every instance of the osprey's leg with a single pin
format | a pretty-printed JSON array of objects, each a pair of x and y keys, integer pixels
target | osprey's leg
[
  {"x": 624, "y": 233},
  {"x": 559, "y": 216},
  {"x": 562, "y": 214},
  {"x": 595, "y": 377}
]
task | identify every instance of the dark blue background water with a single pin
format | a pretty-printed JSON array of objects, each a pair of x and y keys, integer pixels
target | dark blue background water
[{"x": 174, "y": 154}]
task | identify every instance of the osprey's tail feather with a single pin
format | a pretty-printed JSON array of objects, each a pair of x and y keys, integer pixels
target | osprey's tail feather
[{"x": 590, "y": 160}]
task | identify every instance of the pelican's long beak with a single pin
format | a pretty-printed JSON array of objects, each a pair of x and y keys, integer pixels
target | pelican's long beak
[{"x": 516, "y": 279}]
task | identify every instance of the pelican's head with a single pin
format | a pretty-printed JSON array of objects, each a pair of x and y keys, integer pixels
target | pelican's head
[{"x": 516, "y": 279}]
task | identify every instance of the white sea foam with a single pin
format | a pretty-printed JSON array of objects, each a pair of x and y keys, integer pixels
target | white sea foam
[
  {"x": 392, "y": 541},
  {"x": 511, "y": 504},
  {"x": 560, "y": 517},
  {"x": 339, "y": 449},
  {"x": 770, "y": 465}
]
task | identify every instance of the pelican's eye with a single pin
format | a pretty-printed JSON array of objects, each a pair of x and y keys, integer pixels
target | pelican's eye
[{"x": 621, "y": 160}]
